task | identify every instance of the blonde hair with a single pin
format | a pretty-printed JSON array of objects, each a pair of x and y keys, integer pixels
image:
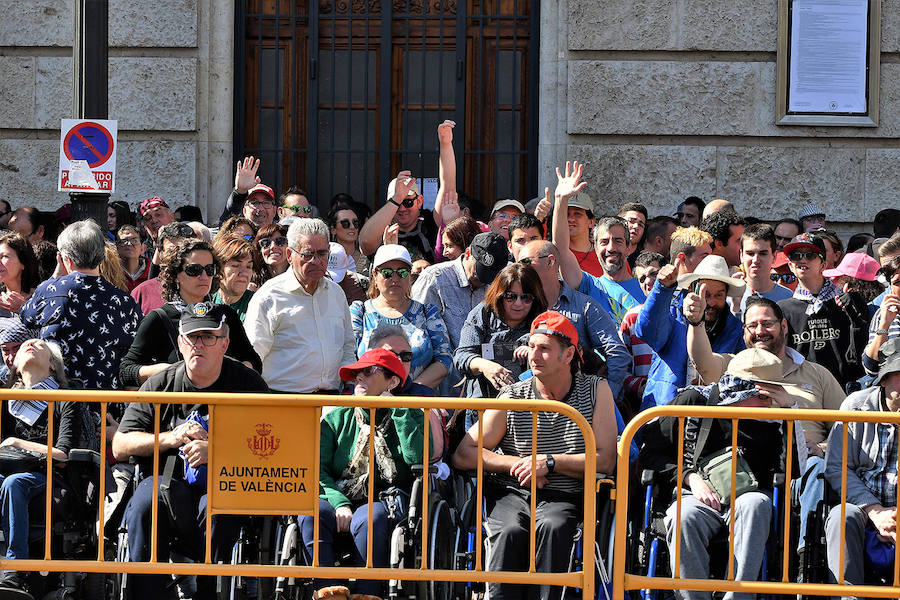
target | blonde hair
[
  {"x": 686, "y": 240},
  {"x": 111, "y": 267}
]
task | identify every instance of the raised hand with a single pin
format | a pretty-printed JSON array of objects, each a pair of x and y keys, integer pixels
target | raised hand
[
  {"x": 245, "y": 177},
  {"x": 695, "y": 305},
  {"x": 445, "y": 132},
  {"x": 668, "y": 275},
  {"x": 391, "y": 234},
  {"x": 449, "y": 206},
  {"x": 570, "y": 184},
  {"x": 405, "y": 182},
  {"x": 543, "y": 207}
]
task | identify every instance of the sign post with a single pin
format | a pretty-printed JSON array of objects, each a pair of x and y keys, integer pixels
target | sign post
[{"x": 87, "y": 156}]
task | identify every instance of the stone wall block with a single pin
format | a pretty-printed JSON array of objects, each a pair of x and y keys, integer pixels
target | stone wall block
[
  {"x": 158, "y": 24},
  {"x": 882, "y": 181},
  {"x": 153, "y": 93},
  {"x": 28, "y": 172},
  {"x": 729, "y": 26},
  {"x": 616, "y": 25},
  {"x": 773, "y": 182},
  {"x": 142, "y": 165},
  {"x": 658, "y": 176},
  {"x": 662, "y": 98},
  {"x": 37, "y": 23},
  {"x": 890, "y": 25},
  {"x": 17, "y": 92},
  {"x": 53, "y": 91}
]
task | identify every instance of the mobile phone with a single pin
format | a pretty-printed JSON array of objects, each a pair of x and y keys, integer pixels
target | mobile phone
[{"x": 696, "y": 287}]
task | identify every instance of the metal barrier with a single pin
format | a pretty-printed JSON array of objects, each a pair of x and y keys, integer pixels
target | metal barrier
[
  {"x": 262, "y": 404},
  {"x": 623, "y": 581}
]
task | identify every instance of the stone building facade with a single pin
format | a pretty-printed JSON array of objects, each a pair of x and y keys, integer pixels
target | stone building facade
[{"x": 660, "y": 100}]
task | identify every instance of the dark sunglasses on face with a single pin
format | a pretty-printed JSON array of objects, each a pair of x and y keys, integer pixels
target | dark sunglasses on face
[
  {"x": 387, "y": 272},
  {"x": 409, "y": 201},
  {"x": 264, "y": 243},
  {"x": 512, "y": 297},
  {"x": 194, "y": 269},
  {"x": 803, "y": 255},
  {"x": 786, "y": 278},
  {"x": 346, "y": 223},
  {"x": 527, "y": 260},
  {"x": 405, "y": 356},
  {"x": 128, "y": 242}
]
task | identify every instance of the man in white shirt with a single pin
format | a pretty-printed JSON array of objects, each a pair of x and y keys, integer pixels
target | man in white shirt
[{"x": 299, "y": 322}]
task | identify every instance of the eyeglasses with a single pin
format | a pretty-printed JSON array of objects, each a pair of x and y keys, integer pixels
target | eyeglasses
[
  {"x": 297, "y": 208},
  {"x": 194, "y": 269},
  {"x": 318, "y": 255},
  {"x": 502, "y": 217},
  {"x": 404, "y": 356},
  {"x": 128, "y": 241},
  {"x": 206, "y": 338},
  {"x": 280, "y": 241},
  {"x": 346, "y": 223},
  {"x": 387, "y": 272},
  {"x": 526, "y": 298},
  {"x": 803, "y": 255},
  {"x": 266, "y": 204},
  {"x": 787, "y": 278},
  {"x": 763, "y": 324},
  {"x": 370, "y": 370},
  {"x": 527, "y": 260}
]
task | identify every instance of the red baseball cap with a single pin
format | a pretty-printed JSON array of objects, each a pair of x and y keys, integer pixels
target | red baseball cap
[
  {"x": 553, "y": 323},
  {"x": 263, "y": 189},
  {"x": 151, "y": 203},
  {"x": 377, "y": 357}
]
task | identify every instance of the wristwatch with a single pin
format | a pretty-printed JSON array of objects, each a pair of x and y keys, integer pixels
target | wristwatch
[
  {"x": 551, "y": 463},
  {"x": 697, "y": 324},
  {"x": 881, "y": 332}
]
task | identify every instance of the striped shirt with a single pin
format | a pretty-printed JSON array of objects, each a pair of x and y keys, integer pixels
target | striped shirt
[
  {"x": 641, "y": 354},
  {"x": 557, "y": 434}
]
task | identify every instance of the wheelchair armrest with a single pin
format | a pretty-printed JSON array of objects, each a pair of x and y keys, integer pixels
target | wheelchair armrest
[
  {"x": 84, "y": 455},
  {"x": 648, "y": 476},
  {"x": 417, "y": 470},
  {"x": 778, "y": 479}
]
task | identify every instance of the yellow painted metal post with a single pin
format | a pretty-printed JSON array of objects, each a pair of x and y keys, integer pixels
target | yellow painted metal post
[
  {"x": 49, "y": 489},
  {"x": 426, "y": 480},
  {"x": 371, "y": 496},
  {"x": 787, "y": 495},
  {"x": 734, "y": 437},
  {"x": 101, "y": 554},
  {"x": 533, "y": 516},
  {"x": 154, "y": 513},
  {"x": 479, "y": 490}
]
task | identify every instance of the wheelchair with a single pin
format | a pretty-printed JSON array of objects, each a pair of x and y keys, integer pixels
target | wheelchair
[
  {"x": 650, "y": 554},
  {"x": 602, "y": 553},
  {"x": 405, "y": 549}
]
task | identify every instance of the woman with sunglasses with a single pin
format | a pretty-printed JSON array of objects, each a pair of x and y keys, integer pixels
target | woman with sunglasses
[
  {"x": 18, "y": 273},
  {"x": 273, "y": 245},
  {"x": 345, "y": 224},
  {"x": 187, "y": 278},
  {"x": 240, "y": 262},
  {"x": 389, "y": 302},
  {"x": 492, "y": 330}
]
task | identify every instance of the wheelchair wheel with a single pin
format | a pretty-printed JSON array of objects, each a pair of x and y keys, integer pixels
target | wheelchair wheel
[{"x": 442, "y": 535}]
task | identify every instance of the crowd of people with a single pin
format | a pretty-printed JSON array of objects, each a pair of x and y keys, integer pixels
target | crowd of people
[{"x": 611, "y": 313}]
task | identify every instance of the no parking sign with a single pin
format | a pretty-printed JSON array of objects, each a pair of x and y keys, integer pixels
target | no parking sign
[{"x": 87, "y": 156}]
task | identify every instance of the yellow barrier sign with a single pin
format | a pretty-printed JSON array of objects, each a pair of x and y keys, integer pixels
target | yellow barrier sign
[{"x": 263, "y": 460}]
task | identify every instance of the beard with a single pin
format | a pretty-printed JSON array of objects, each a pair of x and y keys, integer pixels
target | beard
[
  {"x": 712, "y": 314},
  {"x": 767, "y": 341},
  {"x": 612, "y": 262}
]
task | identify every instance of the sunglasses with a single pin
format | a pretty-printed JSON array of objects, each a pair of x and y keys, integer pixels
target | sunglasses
[
  {"x": 371, "y": 370},
  {"x": 526, "y": 298},
  {"x": 264, "y": 243},
  {"x": 787, "y": 278},
  {"x": 128, "y": 242},
  {"x": 803, "y": 255},
  {"x": 194, "y": 269},
  {"x": 346, "y": 223},
  {"x": 402, "y": 272},
  {"x": 404, "y": 356},
  {"x": 409, "y": 201},
  {"x": 297, "y": 208},
  {"x": 530, "y": 261}
]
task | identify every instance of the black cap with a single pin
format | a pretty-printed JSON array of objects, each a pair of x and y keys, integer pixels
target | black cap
[
  {"x": 202, "y": 316},
  {"x": 806, "y": 241},
  {"x": 889, "y": 359},
  {"x": 491, "y": 254}
]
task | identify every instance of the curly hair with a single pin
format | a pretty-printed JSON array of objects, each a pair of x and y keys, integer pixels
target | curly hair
[
  {"x": 530, "y": 282},
  {"x": 176, "y": 262},
  {"x": 25, "y": 253}
]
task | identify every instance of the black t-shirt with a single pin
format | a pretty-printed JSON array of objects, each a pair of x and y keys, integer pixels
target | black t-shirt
[
  {"x": 420, "y": 239},
  {"x": 66, "y": 426},
  {"x": 234, "y": 378}
]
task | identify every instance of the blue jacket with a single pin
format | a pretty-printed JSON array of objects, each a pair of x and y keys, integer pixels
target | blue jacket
[{"x": 663, "y": 326}]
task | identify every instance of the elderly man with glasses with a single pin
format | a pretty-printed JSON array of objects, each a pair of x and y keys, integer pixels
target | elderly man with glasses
[{"x": 306, "y": 313}]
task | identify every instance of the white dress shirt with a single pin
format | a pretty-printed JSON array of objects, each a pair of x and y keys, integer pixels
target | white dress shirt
[{"x": 303, "y": 339}]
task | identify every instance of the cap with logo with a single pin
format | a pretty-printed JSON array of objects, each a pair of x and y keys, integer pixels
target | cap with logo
[
  {"x": 376, "y": 357},
  {"x": 151, "y": 203},
  {"x": 553, "y": 323},
  {"x": 806, "y": 241},
  {"x": 261, "y": 188},
  {"x": 491, "y": 254},
  {"x": 338, "y": 262},
  {"x": 201, "y": 316}
]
